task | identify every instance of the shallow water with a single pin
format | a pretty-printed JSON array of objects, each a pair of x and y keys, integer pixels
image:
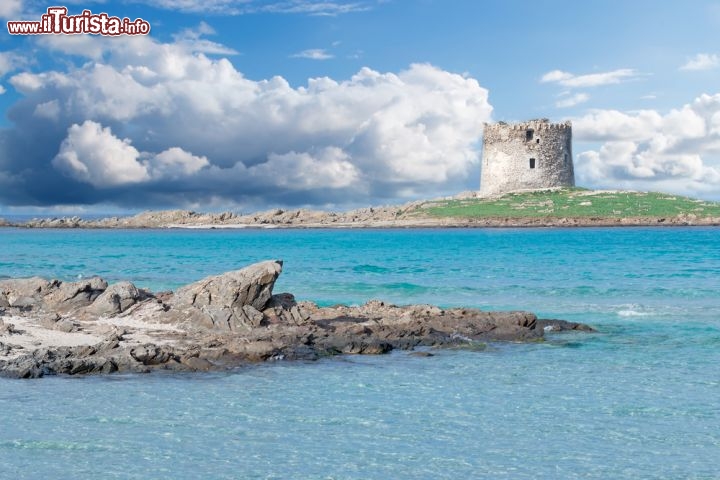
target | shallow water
[{"x": 641, "y": 398}]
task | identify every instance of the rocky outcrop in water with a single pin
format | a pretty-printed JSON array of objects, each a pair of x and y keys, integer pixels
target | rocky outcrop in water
[
  {"x": 223, "y": 321},
  {"x": 229, "y": 302}
]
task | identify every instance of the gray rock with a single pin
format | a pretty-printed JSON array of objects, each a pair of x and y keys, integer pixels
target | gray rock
[
  {"x": 26, "y": 292},
  {"x": 151, "y": 355},
  {"x": 278, "y": 305},
  {"x": 553, "y": 325},
  {"x": 421, "y": 353},
  {"x": 117, "y": 298},
  {"x": 251, "y": 285},
  {"x": 53, "y": 321},
  {"x": 282, "y": 308},
  {"x": 197, "y": 364},
  {"x": 231, "y": 301},
  {"x": 253, "y": 316},
  {"x": 282, "y": 301},
  {"x": 25, "y": 302},
  {"x": 69, "y": 295},
  {"x": 8, "y": 328}
]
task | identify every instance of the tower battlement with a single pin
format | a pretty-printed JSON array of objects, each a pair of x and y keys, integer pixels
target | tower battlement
[
  {"x": 530, "y": 155},
  {"x": 538, "y": 125}
]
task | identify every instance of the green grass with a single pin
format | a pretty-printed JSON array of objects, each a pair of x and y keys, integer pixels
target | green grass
[{"x": 575, "y": 203}]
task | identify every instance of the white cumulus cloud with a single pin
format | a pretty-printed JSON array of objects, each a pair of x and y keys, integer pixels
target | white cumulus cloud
[
  {"x": 571, "y": 80},
  {"x": 572, "y": 100},
  {"x": 10, "y": 61},
  {"x": 329, "y": 168},
  {"x": 373, "y": 137},
  {"x": 702, "y": 61},
  {"x": 92, "y": 154},
  {"x": 677, "y": 151},
  {"x": 313, "y": 54},
  {"x": 191, "y": 39},
  {"x": 10, "y": 9},
  {"x": 49, "y": 110},
  {"x": 176, "y": 162}
]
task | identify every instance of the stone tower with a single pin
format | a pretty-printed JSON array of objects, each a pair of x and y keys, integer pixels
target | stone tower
[{"x": 526, "y": 156}]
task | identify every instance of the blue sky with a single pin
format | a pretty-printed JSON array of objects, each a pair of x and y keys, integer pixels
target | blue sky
[{"x": 246, "y": 104}]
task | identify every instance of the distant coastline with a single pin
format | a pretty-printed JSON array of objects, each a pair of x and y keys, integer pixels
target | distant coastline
[{"x": 537, "y": 209}]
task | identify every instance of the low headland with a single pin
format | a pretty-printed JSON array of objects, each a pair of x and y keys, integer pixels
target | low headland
[
  {"x": 567, "y": 207},
  {"x": 53, "y": 327}
]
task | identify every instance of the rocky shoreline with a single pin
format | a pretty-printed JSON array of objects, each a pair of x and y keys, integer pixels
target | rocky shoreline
[
  {"x": 89, "y": 327},
  {"x": 521, "y": 209},
  {"x": 384, "y": 217}
]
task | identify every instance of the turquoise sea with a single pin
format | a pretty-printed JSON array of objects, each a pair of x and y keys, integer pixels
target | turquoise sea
[{"x": 638, "y": 399}]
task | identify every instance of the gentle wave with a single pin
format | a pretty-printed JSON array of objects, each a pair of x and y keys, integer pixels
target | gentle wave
[
  {"x": 53, "y": 446},
  {"x": 365, "y": 268}
]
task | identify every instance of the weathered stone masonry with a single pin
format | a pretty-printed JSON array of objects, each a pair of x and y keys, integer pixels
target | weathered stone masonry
[{"x": 526, "y": 156}]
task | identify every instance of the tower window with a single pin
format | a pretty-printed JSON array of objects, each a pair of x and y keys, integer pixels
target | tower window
[
  {"x": 565, "y": 158},
  {"x": 532, "y": 163},
  {"x": 537, "y": 141},
  {"x": 529, "y": 134}
]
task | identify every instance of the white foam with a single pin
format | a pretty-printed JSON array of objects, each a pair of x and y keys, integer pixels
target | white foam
[{"x": 633, "y": 313}]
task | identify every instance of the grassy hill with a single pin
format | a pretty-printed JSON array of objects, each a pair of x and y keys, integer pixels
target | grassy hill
[{"x": 573, "y": 203}]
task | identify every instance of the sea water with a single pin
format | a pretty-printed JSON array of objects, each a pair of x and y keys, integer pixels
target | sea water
[{"x": 638, "y": 399}]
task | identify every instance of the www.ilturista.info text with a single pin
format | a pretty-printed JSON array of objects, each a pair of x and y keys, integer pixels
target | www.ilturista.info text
[{"x": 57, "y": 21}]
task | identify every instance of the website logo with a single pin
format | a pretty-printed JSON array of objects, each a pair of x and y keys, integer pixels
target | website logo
[{"x": 57, "y": 22}]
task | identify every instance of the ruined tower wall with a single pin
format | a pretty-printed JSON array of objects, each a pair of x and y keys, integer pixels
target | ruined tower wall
[{"x": 526, "y": 156}]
